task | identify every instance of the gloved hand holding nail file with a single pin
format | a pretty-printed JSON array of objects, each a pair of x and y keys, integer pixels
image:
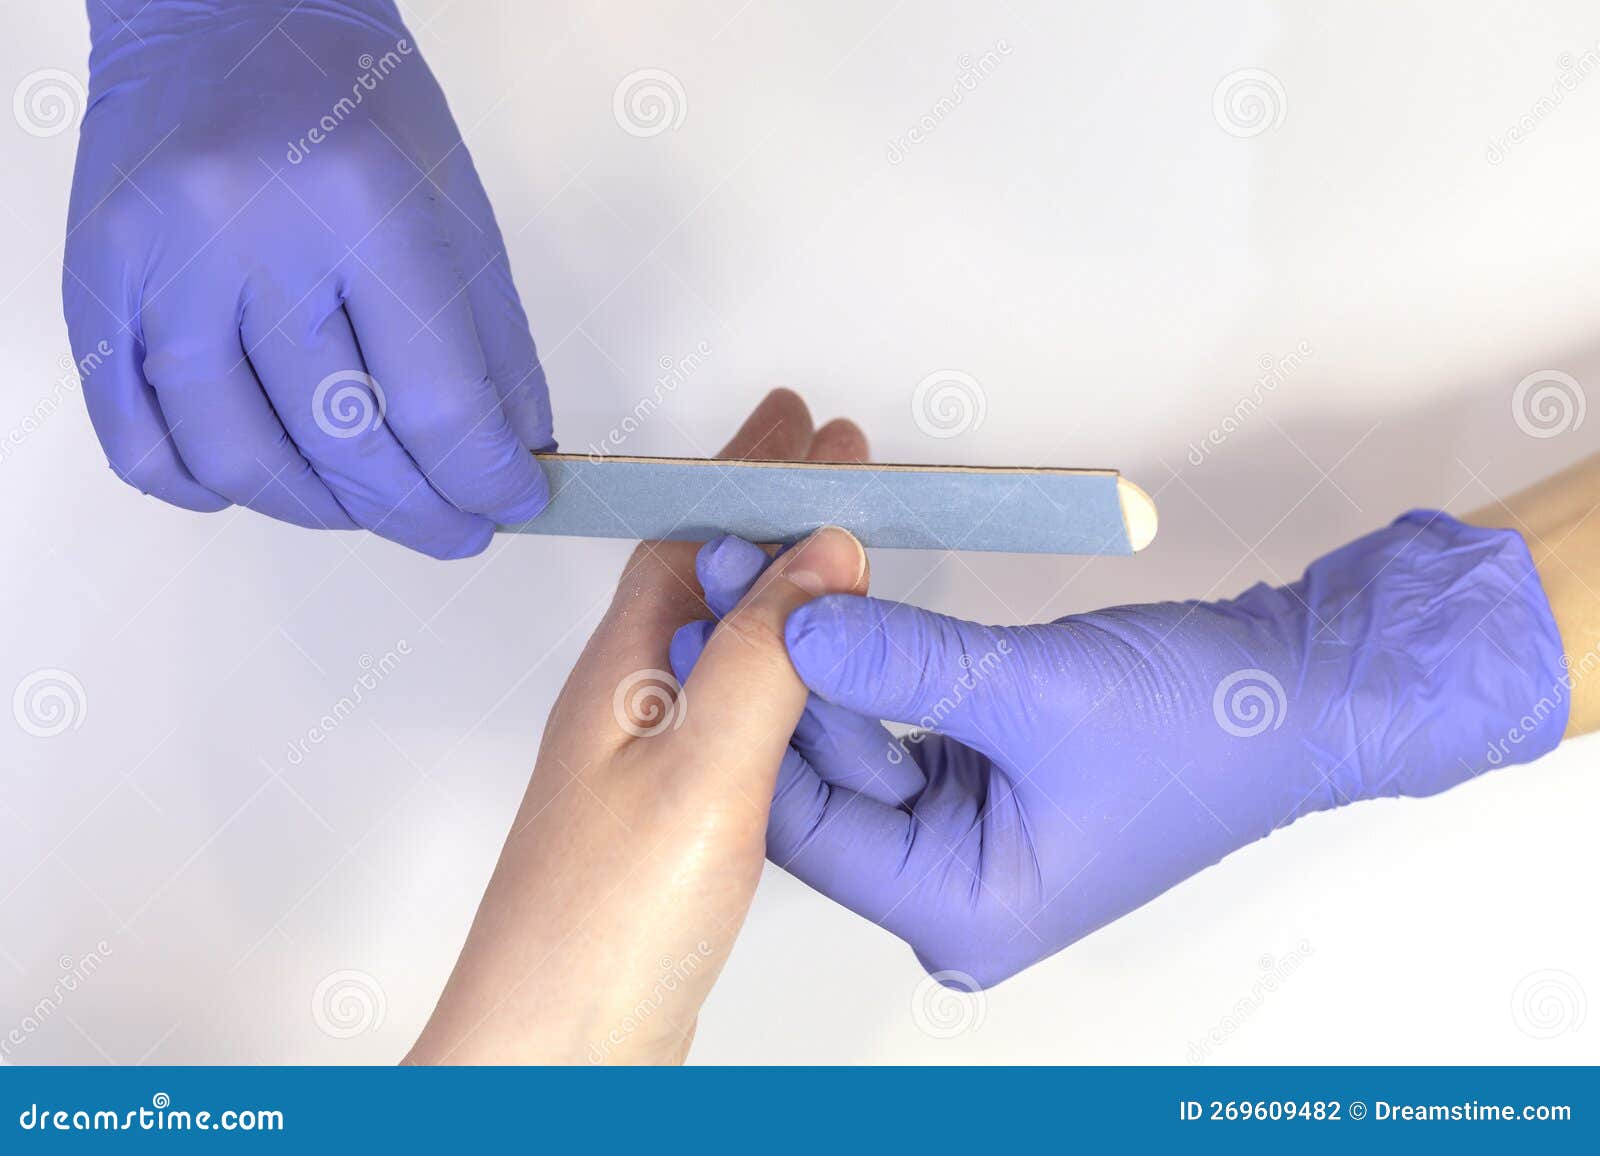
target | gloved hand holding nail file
[
  {"x": 287, "y": 279},
  {"x": 1079, "y": 768}
]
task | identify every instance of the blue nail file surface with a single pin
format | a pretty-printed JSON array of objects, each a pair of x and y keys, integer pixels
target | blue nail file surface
[{"x": 1014, "y": 509}]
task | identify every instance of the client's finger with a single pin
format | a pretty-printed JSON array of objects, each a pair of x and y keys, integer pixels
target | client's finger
[
  {"x": 743, "y": 698},
  {"x": 841, "y": 747},
  {"x": 727, "y": 567},
  {"x": 627, "y": 657},
  {"x": 778, "y": 430},
  {"x": 841, "y": 440},
  {"x": 779, "y": 427}
]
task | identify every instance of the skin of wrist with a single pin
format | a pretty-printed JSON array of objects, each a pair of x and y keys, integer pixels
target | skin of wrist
[
  {"x": 1553, "y": 519},
  {"x": 541, "y": 981},
  {"x": 565, "y": 1025}
]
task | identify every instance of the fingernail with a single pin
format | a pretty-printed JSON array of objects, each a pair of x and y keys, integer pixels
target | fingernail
[{"x": 821, "y": 564}]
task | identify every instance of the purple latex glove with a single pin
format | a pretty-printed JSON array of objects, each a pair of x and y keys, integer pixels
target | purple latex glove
[
  {"x": 286, "y": 279},
  {"x": 1085, "y": 766}
]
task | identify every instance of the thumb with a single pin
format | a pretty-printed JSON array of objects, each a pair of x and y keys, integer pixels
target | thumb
[
  {"x": 743, "y": 697},
  {"x": 896, "y": 662}
]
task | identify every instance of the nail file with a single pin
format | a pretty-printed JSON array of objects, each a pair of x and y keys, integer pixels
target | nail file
[{"x": 1005, "y": 508}]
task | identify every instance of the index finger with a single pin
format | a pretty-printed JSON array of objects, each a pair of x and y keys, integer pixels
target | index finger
[{"x": 413, "y": 321}]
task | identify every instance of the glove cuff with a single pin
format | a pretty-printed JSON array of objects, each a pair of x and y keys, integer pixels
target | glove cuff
[{"x": 1450, "y": 656}]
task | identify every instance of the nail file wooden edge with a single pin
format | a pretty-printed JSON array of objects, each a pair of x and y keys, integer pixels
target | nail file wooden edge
[{"x": 1014, "y": 509}]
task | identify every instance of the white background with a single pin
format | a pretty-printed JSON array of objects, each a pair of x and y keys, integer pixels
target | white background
[{"x": 1083, "y": 238}]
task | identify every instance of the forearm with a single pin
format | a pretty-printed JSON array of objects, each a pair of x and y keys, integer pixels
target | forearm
[{"x": 1554, "y": 518}]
